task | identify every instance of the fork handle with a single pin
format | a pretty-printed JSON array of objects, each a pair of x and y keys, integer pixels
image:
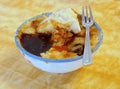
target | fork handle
[{"x": 87, "y": 55}]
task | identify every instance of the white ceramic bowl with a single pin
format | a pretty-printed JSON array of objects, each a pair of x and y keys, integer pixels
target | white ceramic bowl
[{"x": 54, "y": 66}]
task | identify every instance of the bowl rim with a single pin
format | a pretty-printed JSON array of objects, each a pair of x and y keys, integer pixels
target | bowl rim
[{"x": 23, "y": 51}]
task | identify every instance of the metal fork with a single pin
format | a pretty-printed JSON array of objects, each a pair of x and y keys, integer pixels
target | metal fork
[{"x": 87, "y": 21}]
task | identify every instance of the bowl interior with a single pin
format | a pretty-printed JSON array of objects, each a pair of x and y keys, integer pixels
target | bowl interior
[{"x": 23, "y": 51}]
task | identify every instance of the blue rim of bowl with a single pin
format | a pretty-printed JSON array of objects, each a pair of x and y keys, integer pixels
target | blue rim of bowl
[{"x": 21, "y": 49}]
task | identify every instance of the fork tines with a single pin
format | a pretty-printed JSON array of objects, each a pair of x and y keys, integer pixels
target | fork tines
[{"x": 88, "y": 17}]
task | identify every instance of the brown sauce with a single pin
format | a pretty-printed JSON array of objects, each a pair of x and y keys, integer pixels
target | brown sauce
[{"x": 36, "y": 43}]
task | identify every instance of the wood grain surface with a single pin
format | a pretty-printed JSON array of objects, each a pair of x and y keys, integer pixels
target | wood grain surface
[{"x": 16, "y": 73}]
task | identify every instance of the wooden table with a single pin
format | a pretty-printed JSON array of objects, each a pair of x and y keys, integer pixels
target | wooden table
[{"x": 16, "y": 73}]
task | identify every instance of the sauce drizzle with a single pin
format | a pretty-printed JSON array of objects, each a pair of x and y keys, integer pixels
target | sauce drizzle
[{"x": 36, "y": 43}]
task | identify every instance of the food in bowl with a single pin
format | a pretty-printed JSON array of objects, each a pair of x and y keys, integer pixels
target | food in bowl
[
  {"x": 36, "y": 40},
  {"x": 57, "y": 36}
]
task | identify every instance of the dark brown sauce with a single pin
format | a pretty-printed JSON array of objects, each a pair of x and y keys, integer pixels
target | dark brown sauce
[
  {"x": 79, "y": 50},
  {"x": 36, "y": 43}
]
